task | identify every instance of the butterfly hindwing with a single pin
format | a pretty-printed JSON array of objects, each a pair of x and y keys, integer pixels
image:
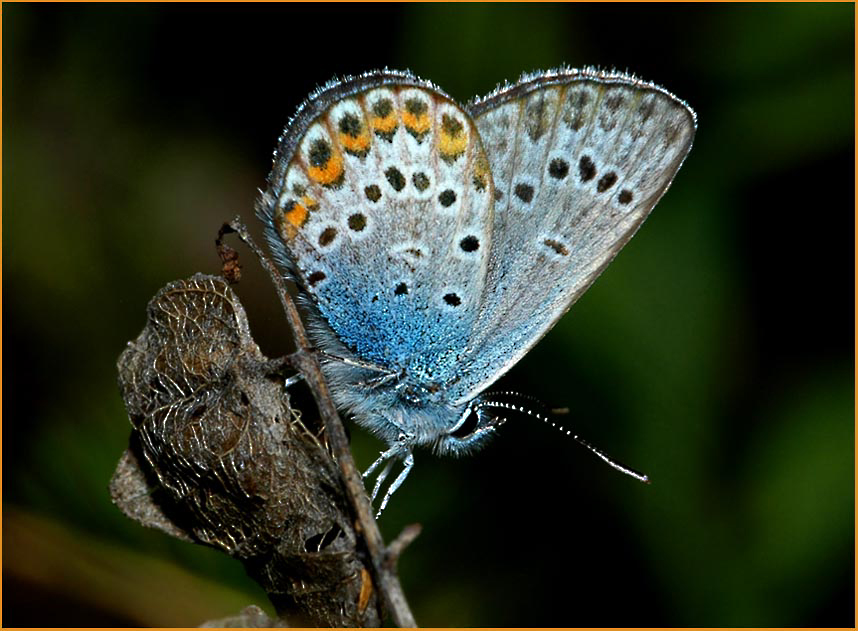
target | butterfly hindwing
[{"x": 382, "y": 210}]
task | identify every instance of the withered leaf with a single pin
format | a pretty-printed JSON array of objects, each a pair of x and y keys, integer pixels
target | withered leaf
[{"x": 218, "y": 456}]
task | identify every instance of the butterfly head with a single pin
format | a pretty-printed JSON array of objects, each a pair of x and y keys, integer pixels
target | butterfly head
[{"x": 472, "y": 430}]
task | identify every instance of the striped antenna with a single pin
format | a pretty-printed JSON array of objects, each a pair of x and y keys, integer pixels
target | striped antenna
[{"x": 511, "y": 406}]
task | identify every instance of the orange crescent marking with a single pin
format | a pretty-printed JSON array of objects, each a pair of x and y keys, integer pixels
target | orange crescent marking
[
  {"x": 309, "y": 203},
  {"x": 384, "y": 125},
  {"x": 355, "y": 144},
  {"x": 290, "y": 221},
  {"x": 330, "y": 173},
  {"x": 418, "y": 124},
  {"x": 481, "y": 171},
  {"x": 452, "y": 146}
]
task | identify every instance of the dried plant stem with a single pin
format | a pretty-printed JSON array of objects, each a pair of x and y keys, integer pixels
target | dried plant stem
[{"x": 306, "y": 362}]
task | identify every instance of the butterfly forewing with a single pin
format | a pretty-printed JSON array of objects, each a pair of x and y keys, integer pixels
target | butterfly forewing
[
  {"x": 578, "y": 161},
  {"x": 384, "y": 209}
]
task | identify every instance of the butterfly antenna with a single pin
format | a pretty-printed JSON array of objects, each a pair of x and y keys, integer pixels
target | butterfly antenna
[{"x": 637, "y": 475}]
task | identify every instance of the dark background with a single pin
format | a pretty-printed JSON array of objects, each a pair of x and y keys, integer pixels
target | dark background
[{"x": 716, "y": 353}]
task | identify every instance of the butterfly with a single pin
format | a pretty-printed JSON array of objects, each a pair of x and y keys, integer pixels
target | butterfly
[{"x": 434, "y": 244}]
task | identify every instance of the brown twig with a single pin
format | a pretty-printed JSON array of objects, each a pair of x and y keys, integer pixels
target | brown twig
[
  {"x": 306, "y": 362},
  {"x": 402, "y": 541}
]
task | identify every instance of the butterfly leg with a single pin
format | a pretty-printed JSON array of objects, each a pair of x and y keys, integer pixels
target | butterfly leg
[
  {"x": 385, "y": 455},
  {"x": 408, "y": 464},
  {"x": 389, "y": 457},
  {"x": 398, "y": 450},
  {"x": 380, "y": 479}
]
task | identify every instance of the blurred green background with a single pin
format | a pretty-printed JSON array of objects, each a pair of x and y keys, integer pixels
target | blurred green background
[{"x": 716, "y": 353}]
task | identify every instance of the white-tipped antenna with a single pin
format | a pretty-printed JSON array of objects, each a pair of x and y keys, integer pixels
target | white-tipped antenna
[
  {"x": 637, "y": 475},
  {"x": 642, "y": 477}
]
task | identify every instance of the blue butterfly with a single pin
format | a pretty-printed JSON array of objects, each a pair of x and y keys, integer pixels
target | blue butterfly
[{"x": 435, "y": 244}]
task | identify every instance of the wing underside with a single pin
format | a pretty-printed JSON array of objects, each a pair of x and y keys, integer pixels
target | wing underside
[
  {"x": 384, "y": 208},
  {"x": 578, "y": 161}
]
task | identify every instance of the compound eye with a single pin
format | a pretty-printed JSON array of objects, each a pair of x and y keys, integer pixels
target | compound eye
[{"x": 468, "y": 426}]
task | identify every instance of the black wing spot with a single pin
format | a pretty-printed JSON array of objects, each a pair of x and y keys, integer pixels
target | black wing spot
[
  {"x": 357, "y": 222},
  {"x": 558, "y": 247},
  {"x": 320, "y": 153},
  {"x": 451, "y": 126},
  {"x": 625, "y": 196},
  {"x": 373, "y": 193},
  {"x": 350, "y": 125},
  {"x": 420, "y": 181},
  {"x": 586, "y": 169},
  {"x": 395, "y": 177},
  {"x": 470, "y": 243},
  {"x": 315, "y": 277},
  {"x": 327, "y": 237},
  {"x": 416, "y": 107},
  {"x": 447, "y": 198},
  {"x": 606, "y": 181},
  {"x": 558, "y": 168},
  {"x": 452, "y": 299},
  {"x": 401, "y": 289},
  {"x": 382, "y": 108},
  {"x": 524, "y": 192}
]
